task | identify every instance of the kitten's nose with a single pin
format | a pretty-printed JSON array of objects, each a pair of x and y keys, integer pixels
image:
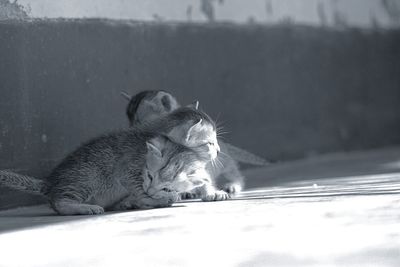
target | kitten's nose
[{"x": 217, "y": 147}]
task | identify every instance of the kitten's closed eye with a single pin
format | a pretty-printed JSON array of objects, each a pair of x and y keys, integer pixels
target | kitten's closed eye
[{"x": 206, "y": 144}]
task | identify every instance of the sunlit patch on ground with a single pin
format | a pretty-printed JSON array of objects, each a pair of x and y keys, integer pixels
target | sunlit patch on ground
[{"x": 348, "y": 220}]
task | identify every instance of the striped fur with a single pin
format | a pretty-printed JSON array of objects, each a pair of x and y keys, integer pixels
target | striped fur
[
  {"x": 226, "y": 172},
  {"x": 108, "y": 172}
]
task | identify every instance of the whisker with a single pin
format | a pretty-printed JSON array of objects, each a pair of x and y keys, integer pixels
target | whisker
[
  {"x": 216, "y": 163},
  {"x": 219, "y": 162},
  {"x": 222, "y": 132},
  {"x": 220, "y": 136},
  {"x": 223, "y": 153}
]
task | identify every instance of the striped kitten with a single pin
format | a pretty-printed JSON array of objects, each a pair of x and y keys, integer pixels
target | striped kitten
[
  {"x": 148, "y": 105},
  {"x": 135, "y": 168}
]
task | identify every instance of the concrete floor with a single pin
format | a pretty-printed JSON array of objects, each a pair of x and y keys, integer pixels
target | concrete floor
[{"x": 335, "y": 210}]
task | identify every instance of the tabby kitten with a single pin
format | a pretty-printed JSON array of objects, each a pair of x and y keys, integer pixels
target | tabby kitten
[
  {"x": 148, "y": 105},
  {"x": 109, "y": 172},
  {"x": 170, "y": 169}
]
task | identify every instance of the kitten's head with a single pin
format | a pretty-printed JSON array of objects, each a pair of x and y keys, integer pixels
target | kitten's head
[
  {"x": 187, "y": 126},
  {"x": 191, "y": 128},
  {"x": 172, "y": 168},
  {"x": 149, "y": 105}
]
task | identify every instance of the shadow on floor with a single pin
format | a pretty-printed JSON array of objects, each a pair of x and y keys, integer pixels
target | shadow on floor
[{"x": 42, "y": 215}]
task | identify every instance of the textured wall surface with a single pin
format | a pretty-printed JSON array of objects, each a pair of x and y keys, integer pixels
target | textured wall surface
[{"x": 283, "y": 92}]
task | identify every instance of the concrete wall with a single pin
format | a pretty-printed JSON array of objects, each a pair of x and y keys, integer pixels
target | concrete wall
[{"x": 283, "y": 92}]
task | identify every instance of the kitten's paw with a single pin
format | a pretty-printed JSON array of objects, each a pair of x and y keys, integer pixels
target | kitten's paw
[
  {"x": 168, "y": 201},
  {"x": 94, "y": 209},
  {"x": 65, "y": 208},
  {"x": 159, "y": 202},
  {"x": 165, "y": 198},
  {"x": 232, "y": 188},
  {"x": 216, "y": 196},
  {"x": 187, "y": 195}
]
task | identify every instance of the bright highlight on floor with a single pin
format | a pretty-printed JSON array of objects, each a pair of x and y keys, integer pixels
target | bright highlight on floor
[{"x": 348, "y": 220}]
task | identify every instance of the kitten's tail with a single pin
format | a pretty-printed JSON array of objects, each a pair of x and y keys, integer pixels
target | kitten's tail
[
  {"x": 22, "y": 182},
  {"x": 241, "y": 155}
]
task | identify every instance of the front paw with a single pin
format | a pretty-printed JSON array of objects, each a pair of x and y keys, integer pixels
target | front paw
[
  {"x": 232, "y": 188},
  {"x": 167, "y": 201},
  {"x": 166, "y": 197},
  {"x": 159, "y": 201},
  {"x": 216, "y": 196}
]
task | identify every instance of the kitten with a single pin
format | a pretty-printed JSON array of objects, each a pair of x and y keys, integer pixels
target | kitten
[
  {"x": 147, "y": 105},
  {"x": 109, "y": 172},
  {"x": 170, "y": 168}
]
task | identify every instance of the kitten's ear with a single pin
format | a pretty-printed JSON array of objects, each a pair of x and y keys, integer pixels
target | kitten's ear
[
  {"x": 194, "y": 105},
  {"x": 192, "y": 129},
  {"x": 154, "y": 159},
  {"x": 126, "y": 95},
  {"x": 155, "y": 151}
]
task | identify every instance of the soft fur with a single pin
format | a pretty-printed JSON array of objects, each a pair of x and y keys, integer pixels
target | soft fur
[
  {"x": 114, "y": 171},
  {"x": 159, "y": 103}
]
